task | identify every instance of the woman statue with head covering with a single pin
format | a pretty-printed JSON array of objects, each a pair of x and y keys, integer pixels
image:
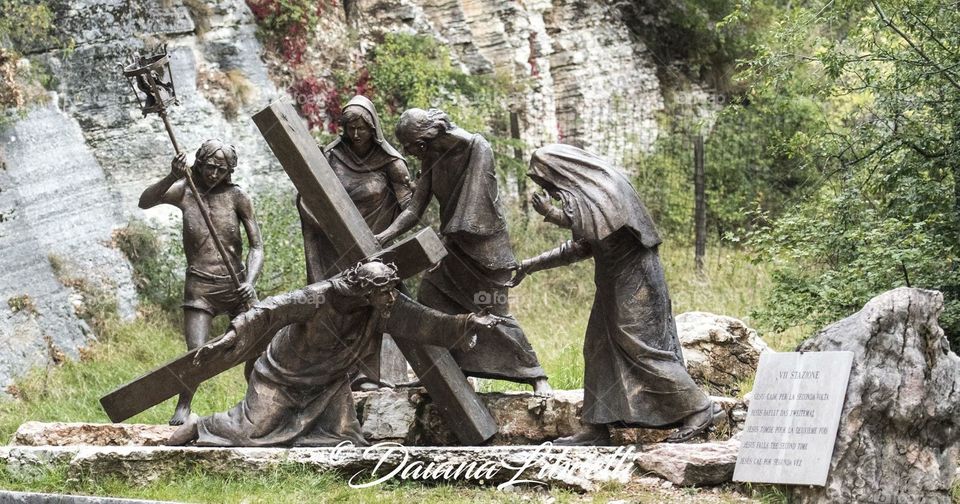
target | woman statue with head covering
[
  {"x": 377, "y": 180},
  {"x": 634, "y": 373}
]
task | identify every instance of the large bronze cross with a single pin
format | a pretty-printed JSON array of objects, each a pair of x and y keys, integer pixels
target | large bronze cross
[{"x": 322, "y": 194}]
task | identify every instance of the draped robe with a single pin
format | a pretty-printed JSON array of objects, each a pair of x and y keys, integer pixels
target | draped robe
[
  {"x": 479, "y": 260},
  {"x": 633, "y": 367},
  {"x": 379, "y": 199}
]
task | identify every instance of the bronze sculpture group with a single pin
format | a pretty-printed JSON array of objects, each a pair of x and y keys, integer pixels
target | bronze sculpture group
[{"x": 306, "y": 350}]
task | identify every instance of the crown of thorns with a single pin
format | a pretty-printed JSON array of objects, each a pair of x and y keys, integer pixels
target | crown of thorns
[{"x": 372, "y": 277}]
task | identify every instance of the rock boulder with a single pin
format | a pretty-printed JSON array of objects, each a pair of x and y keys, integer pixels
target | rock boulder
[
  {"x": 899, "y": 434},
  {"x": 720, "y": 352},
  {"x": 408, "y": 417},
  {"x": 581, "y": 468}
]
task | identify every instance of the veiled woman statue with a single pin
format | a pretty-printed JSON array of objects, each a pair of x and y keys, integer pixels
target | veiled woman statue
[
  {"x": 377, "y": 180},
  {"x": 633, "y": 369}
]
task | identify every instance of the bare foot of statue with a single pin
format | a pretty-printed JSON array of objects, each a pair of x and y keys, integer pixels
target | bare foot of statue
[
  {"x": 541, "y": 388},
  {"x": 182, "y": 412},
  {"x": 187, "y": 432},
  {"x": 591, "y": 435},
  {"x": 363, "y": 383},
  {"x": 365, "y": 386},
  {"x": 695, "y": 424}
]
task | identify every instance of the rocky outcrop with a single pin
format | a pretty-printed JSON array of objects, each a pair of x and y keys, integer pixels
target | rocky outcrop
[
  {"x": 408, "y": 417},
  {"x": 55, "y": 234},
  {"x": 694, "y": 464},
  {"x": 587, "y": 81},
  {"x": 899, "y": 434},
  {"x": 132, "y": 149},
  {"x": 69, "y": 434},
  {"x": 720, "y": 352}
]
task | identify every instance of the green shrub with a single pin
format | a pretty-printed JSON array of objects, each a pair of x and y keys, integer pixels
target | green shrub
[
  {"x": 283, "y": 264},
  {"x": 287, "y": 25},
  {"x": 158, "y": 261},
  {"x": 882, "y": 207},
  {"x": 405, "y": 71},
  {"x": 24, "y": 27}
]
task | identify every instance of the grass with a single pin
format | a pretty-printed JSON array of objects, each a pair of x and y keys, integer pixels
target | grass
[
  {"x": 300, "y": 484},
  {"x": 70, "y": 392}
]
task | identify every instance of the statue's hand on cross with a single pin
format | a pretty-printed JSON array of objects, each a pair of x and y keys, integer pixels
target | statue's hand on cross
[
  {"x": 223, "y": 344},
  {"x": 247, "y": 292}
]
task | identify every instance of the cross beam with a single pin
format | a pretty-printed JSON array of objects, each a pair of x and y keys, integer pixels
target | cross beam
[
  {"x": 179, "y": 375},
  {"x": 324, "y": 196}
]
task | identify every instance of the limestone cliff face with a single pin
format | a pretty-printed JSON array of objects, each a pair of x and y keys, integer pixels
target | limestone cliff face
[
  {"x": 73, "y": 169},
  {"x": 589, "y": 83}
]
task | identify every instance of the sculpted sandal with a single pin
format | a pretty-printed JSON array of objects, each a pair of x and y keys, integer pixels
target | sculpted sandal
[{"x": 687, "y": 433}]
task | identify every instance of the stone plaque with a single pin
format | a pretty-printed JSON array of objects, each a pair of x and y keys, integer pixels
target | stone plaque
[{"x": 792, "y": 421}]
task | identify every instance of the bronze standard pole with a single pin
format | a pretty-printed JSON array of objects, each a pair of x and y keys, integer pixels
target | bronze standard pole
[
  {"x": 203, "y": 207},
  {"x": 193, "y": 188}
]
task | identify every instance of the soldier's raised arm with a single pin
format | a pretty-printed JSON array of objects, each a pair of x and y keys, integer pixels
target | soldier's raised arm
[{"x": 170, "y": 189}]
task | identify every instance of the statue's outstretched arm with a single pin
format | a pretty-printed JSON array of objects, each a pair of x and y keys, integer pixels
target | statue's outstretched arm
[
  {"x": 410, "y": 215},
  {"x": 424, "y": 325},
  {"x": 399, "y": 177},
  {"x": 267, "y": 317},
  {"x": 568, "y": 252}
]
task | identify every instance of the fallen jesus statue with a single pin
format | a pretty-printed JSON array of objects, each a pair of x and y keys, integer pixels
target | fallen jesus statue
[{"x": 299, "y": 391}]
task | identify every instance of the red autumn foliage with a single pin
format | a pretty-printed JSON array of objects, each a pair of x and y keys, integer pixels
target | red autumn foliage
[
  {"x": 289, "y": 24},
  {"x": 331, "y": 102},
  {"x": 310, "y": 96}
]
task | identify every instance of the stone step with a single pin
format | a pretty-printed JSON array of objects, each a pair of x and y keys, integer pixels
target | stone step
[
  {"x": 7, "y": 497},
  {"x": 576, "y": 468},
  {"x": 406, "y": 416}
]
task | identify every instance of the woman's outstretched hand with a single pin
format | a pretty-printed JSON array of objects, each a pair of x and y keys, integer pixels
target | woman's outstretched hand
[
  {"x": 518, "y": 275},
  {"x": 480, "y": 322}
]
